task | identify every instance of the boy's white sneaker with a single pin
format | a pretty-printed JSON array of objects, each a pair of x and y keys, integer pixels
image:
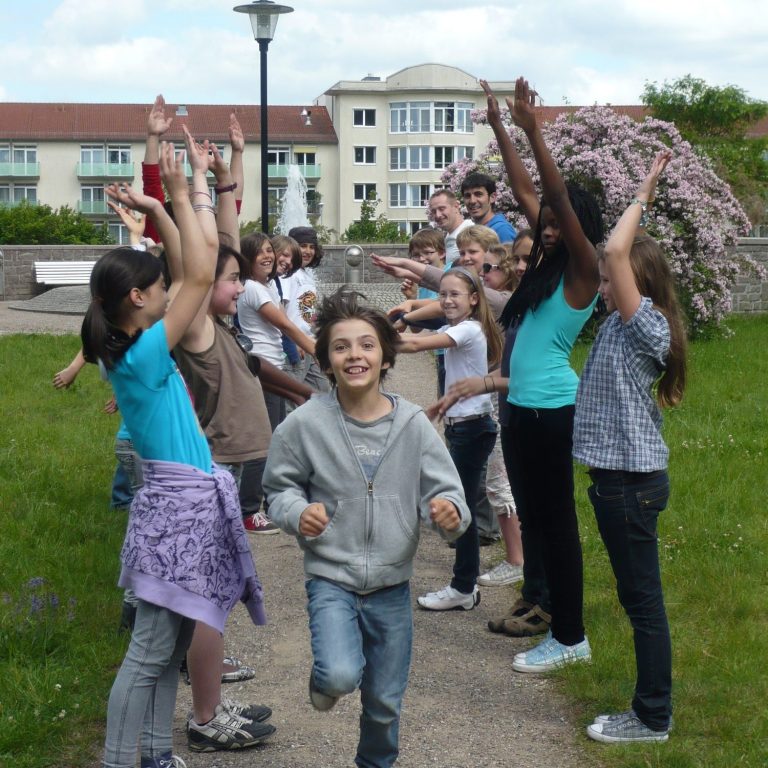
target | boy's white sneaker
[{"x": 450, "y": 599}]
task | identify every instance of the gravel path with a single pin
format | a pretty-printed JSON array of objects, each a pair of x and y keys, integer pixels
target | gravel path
[{"x": 464, "y": 708}]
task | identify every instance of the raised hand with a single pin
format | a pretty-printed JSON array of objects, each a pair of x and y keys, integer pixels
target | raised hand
[
  {"x": 236, "y": 137},
  {"x": 494, "y": 113},
  {"x": 172, "y": 171},
  {"x": 660, "y": 162},
  {"x": 197, "y": 154},
  {"x": 134, "y": 224},
  {"x": 132, "y": 200},
  {"x": 521, "y": 107},
  {"x": 157, "y": 122},
  {"x": 219, "y": 167}
]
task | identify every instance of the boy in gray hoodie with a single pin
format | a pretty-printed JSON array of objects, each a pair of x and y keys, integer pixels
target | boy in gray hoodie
[{"x": 352, "y": 474}]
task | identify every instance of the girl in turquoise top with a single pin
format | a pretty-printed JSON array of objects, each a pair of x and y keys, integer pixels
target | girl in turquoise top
[{"x": 555, "y": 298}]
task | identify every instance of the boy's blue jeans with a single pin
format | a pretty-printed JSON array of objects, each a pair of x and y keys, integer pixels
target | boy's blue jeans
[
  {"x": 364, "y": 641},
  {"x": 627, "y": 506}
]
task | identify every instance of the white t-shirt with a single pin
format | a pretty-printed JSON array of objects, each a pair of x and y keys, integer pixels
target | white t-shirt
[
  {"x": 468, "y": 358},
  {"x": 451, "y": 249},
  {"x": 301, "y": 297},
  {"x": 266, "y": 338}
]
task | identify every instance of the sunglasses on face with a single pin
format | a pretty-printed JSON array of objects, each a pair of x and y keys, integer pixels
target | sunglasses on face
[{"x": 490, "y": 267}]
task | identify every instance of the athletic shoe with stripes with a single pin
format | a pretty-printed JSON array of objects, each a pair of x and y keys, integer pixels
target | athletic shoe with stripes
[{"x": 226, "y": 731}]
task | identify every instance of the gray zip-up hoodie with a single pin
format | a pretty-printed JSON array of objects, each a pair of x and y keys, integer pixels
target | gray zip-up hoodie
[{"x": 373, "y": 532}]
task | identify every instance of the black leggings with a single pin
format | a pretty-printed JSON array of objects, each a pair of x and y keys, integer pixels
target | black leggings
[{"x": 537, "y": 446}]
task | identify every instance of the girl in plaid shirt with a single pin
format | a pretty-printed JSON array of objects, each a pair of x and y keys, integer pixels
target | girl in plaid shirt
[{"x": 617, "y": 434}]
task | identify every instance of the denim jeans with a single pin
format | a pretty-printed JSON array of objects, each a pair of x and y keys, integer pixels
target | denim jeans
[
  {"x": 542, "y": 484},
  {"x": 364, "y": 641},
  {"x": 627, "y": 506},
  {"x": 470, "y": 444},
  {"x": 143, "y": 696}
]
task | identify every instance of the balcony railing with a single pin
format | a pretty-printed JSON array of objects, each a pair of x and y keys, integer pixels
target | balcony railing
[
  {"x": 26, "y": 170},
  {"x": 106, "y": 170},
  {"x": 14, "y": 203},
  {"x": 281, "y": 171},
  {"x": 91, "y": 207}
]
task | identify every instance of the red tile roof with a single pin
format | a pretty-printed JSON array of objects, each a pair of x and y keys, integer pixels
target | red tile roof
[
  {"x": 127, "y": 122},
  {"x": 635, "y": 111}
]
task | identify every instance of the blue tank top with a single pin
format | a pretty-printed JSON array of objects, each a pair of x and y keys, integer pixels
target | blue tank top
[{"x": 540, "y": 373}]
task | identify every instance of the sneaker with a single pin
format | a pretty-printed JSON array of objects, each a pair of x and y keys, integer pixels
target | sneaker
[
  {"x": 167, "y": 761},
  {"x": 615, "y": 717},
  {"x": 449, "y": 599},
  {"x": 623, "y": 730},
  {"x": 258, "y": 522},
  {"x": 256, "y": 712},
  {"x": 240, "y": 673},
  {"x": 503, "y": 573},
  {"x": 551, "y": 654},
  {"x": 225, "y": 731},
  {"x": 322, "y": 702}
]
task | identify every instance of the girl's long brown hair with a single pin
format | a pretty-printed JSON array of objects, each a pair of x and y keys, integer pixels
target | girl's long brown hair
[
  {"x": 482, "y": 313},
  {"x": 654, "y": 279}
]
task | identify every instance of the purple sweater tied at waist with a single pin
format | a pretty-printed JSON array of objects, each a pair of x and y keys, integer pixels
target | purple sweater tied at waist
[{"x": 186, "y": 548}]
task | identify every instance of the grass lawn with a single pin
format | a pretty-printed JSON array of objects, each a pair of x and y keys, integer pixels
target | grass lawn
[{"x": 59, "y": 606}]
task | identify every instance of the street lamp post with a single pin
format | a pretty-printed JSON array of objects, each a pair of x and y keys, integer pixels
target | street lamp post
[{"x": 263, "y": 15}]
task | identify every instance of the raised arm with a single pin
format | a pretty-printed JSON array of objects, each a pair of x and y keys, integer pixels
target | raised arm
[
  {"x": 624, "y": 290},
  {"x": 134, "y": 224},
  {"x": 519, "y": 179},
  {"x": 237, "y": 145},
  {"x": 581, "y": 275},
  {"x": 157, "y": 125},
  {"x": 226, "y": 215},
  {"x": 197, "y": 231}
]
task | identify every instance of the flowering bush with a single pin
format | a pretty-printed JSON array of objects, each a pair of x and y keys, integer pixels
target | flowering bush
[{"x": 695, "y": 217}]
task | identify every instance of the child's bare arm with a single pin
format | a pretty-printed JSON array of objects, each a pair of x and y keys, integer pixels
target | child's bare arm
[{"x": 64, "y": 378}]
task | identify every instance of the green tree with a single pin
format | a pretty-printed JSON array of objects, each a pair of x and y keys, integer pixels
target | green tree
[
  {"x": 371, "y": 228},
  {"x": 26, "y": 224},
  {"x": 716, "y": 120}
]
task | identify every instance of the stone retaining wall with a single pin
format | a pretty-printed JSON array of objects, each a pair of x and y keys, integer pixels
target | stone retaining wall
[{"x": 17, "y": 278}]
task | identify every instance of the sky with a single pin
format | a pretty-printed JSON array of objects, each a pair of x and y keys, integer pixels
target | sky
[{"x": 575, "y": 52}]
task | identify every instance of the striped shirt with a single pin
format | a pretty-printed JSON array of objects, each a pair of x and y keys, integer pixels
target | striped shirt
[{"x": 618, "y": 422}]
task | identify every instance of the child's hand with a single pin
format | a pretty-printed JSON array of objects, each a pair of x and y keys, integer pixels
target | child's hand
[
  {"x": 494, "y": 113},
  {"x": 236, "y": 138},
  {"x": 443, "y": 513},
  {"x": 313, "y": 520},
  {"x": 157, "y": 122},
  {"x": 111, "y": 405},
  {"x": 404, "y": 307},
  {"x": 135, "y": 225},
  {"x": 660, "y": 162},
  {"x": 172, "y": 172},
  {"x": 63, "y": 379},
  {"x": 408, "y": 288},
  {"x": 219, "y": 167},
  {"x": 197, "y": 154},
  {"x": 131, "y": 199},
  {"x": 521, "y": 108}
]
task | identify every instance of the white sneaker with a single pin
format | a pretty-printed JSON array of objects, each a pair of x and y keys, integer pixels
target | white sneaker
[
  {"x": 503, "y": 573},
  {"x": 449, "y": 599}
]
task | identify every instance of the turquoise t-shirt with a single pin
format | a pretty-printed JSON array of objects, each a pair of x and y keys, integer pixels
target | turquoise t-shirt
[
  {"x": 155, "y": 404},
  {"x": 540, "y": 373}
]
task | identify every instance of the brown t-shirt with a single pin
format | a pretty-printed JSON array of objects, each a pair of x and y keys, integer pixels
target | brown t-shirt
[{"x": 228, "y": 399}]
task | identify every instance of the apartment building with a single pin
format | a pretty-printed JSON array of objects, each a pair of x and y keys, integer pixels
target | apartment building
[
  {"x": 397, "y": 135},
  {"x": 64, "y": 154}
]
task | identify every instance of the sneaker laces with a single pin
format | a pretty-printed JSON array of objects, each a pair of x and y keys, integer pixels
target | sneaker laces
[
  {"x": 260, "y": 519},
  {"x": 232, "y": 706},
  {"x": 174, "y": 762}
]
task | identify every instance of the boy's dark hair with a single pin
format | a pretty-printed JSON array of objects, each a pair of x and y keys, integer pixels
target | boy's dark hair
[
  {"x": 428, "y": 237},
  {"x": 113, "y": 277},
  {"x": 476, "y": 179},
  {"x": 308, "y": 235},
  {"x": 345, "y": 304},
  {"x": 543, "y": 272},
  {"x": 250, "y": 246}
]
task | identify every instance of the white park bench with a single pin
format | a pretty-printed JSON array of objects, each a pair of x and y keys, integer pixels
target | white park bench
[{"x": 63, "y": 272}]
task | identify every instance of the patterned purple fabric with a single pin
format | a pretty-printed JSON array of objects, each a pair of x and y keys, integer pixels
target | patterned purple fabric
[{"x": 186, "y": 548}]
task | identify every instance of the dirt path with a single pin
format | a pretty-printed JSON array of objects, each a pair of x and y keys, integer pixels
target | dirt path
[{"x": 465, "y": 707}]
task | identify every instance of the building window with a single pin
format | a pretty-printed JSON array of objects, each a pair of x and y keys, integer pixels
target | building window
[
  {"x": 402, "y": 226},
  {"x": 304, "y": 158},
  {"x": 91, "y": 154},
  {"x": 119, "y": 155},
  {"x": 364, "y": 192},
  {"x": 365, "y": 155},
  {"x": 118, "y": 232},
  {"x": 5, "y": 153},
  {"x": 398, "y": 117},
  {"x": 453, "y": 117},
  {"x": 24, "y": 155},
  {"x": 278, "y": 155},
  {"x": 21, "y": 193},
  {"x": 418, "y": 195},
  {"x": 275, "y": 199},
  {"x": 444, "y": 156},
  {"x": 5, "y": 194},
  {"x": 397, "y": 195},
  {"x": 415, "y": 226},
  {"x": 92, "y": 199},
  {"x": 398, "y": 158},
  {"x": 418, "y": 158},
  {"x": 419, "y": 117},
  {"x": 364, "y": 118}
]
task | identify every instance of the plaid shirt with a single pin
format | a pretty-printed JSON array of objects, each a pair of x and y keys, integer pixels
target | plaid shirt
[{"x": 618, "y": 422}]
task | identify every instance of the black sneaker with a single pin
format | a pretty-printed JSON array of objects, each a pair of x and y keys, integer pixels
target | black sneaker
[
  {"x": 226, "y": 731},
  {"x": 256, "y": 712}
]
